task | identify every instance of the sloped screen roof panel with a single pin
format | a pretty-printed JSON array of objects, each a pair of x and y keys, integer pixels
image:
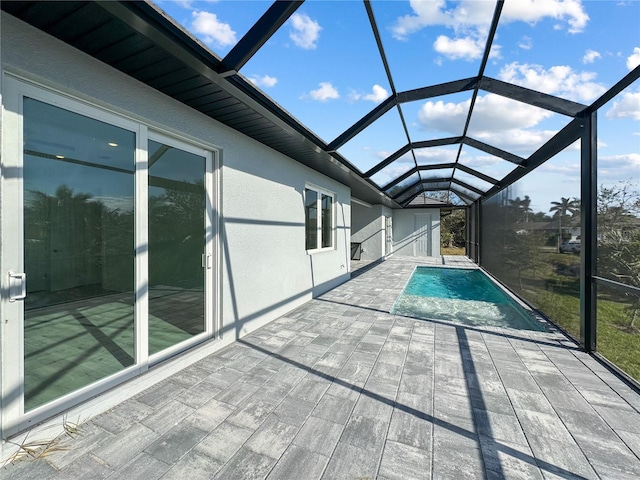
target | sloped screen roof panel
[{"x": 372, "y": 94}]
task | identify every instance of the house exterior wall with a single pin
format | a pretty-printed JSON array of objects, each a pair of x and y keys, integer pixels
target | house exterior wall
[
  {"x": 407, "y": 236},
  {"x": 264, "y": 270},
  {"x": 367, "y": 228}
]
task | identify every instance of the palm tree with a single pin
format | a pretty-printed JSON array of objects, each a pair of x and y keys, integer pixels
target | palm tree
[
  {"x": 526, "y": 207},
  {"x": 561, "y": 209},
  {"x": 522, "y": 206}
]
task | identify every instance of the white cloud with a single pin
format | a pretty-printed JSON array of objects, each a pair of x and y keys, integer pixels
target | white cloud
[
  {"x": 493, "y": 166},
  {"x": 479, "y": 162},
  {"x": 378, "y": 94},
  {"x": 305, "y": 32},
  {"x": 212, "y": 30},
  {"x": 496, "y": 120},
  {"x": 466, "y": 48},
  {"x": 627, "y": 106},
  {"x": 590, "y": 56},
  {"x": 633, "y": 60},
  {"x": 473, "y": 15},
  {"x": 406, "y": 158},
  {"x": 325, "y": 92},
  {"x": 619, "y": 167},
  {"x": 435, "y": 155},
  {"x": 466, "y": 13},
  {"x": 264, "y": 81},
  {"x": 443, "y": 117},
  {"x": 188, "y": 4},
  {"x": 525, "y": 43},
  {"x": 569, "y": 169},
  {"x": 532, "y": 11},
  {"x": 392, "y": 172},
  {"x": 560, "y": 80}
]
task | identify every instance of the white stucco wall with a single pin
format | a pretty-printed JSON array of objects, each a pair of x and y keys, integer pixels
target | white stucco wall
[
  {"x": 367, "y": 228},
  {"x": 264, "y": 270},
  {"x": 406, "y": 237}
]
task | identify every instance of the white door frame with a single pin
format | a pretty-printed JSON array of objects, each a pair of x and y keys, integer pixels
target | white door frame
[{"x": 210, "y": 251}]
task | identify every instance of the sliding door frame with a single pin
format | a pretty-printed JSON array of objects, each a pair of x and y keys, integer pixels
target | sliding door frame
[{"x": 14, "y": 90}]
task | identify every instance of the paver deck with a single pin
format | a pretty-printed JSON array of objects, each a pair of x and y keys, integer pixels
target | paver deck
[{"x": 342, "y": 389}]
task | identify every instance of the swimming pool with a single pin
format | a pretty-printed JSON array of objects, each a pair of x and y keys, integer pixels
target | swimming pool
[{"x": 465, "y": 296}]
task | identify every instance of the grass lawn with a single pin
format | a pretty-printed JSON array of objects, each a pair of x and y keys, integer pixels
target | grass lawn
[
  {"x": 554, "y": 289},
  {"x": 452, "y": 251}
]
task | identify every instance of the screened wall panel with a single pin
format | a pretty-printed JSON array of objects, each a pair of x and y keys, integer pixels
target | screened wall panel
[
  {"x": 618, "y": 232},
  {"x": 618, "y": 330},
  {"x": 526, "y": 231}
]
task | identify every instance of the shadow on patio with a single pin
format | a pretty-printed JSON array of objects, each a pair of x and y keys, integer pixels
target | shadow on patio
[{"x": 340, "y": 388}]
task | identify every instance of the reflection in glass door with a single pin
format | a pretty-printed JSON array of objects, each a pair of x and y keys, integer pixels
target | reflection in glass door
[
  {"x": 78, "y": 251},
  {"x": 177, "y": 245}
]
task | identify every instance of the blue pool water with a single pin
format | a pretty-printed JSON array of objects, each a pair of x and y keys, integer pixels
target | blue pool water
[{"x": 465, "y": 296}]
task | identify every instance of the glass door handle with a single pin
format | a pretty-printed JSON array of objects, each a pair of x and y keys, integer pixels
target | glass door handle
[
  {"x": 17, "y": 286},
  {"x": 207, "y": 261}
]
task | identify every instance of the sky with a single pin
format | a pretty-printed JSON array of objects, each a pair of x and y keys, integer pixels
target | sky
[{"x": 323, "y": 67}]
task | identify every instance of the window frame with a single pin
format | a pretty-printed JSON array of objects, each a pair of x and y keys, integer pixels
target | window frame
[{"x": 320, "y": 193}]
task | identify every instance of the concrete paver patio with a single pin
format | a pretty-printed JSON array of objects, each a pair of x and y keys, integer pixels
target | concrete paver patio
[{"x": 341, "y": 389}]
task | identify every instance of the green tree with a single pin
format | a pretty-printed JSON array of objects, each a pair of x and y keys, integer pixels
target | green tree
[
  {"x": 522, "y": 208},
  {"x": 618, "y": 208},
  {"x": 523, "y": 253},
  {"x": 452, "y": 229},
  {"x": 619, "y": 238}
]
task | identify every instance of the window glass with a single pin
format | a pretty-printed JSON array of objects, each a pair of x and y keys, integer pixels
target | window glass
[
  {"x": 327, "y": 221},
  {"x": 78, "y": 249},
  {"x": 318, "y": 218},
  {"x": 176, "y": 245},
  {"x": 311, "y": 218}
]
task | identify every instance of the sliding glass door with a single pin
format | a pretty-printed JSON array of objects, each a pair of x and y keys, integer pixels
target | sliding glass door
[
  {"x": 107, "y": 250},
  {"x": 78, "y": 191},
  {"x": 178, "y": 257}
]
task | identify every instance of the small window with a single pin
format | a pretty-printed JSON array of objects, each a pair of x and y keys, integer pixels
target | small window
[{"x": 319, "y": 225}]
